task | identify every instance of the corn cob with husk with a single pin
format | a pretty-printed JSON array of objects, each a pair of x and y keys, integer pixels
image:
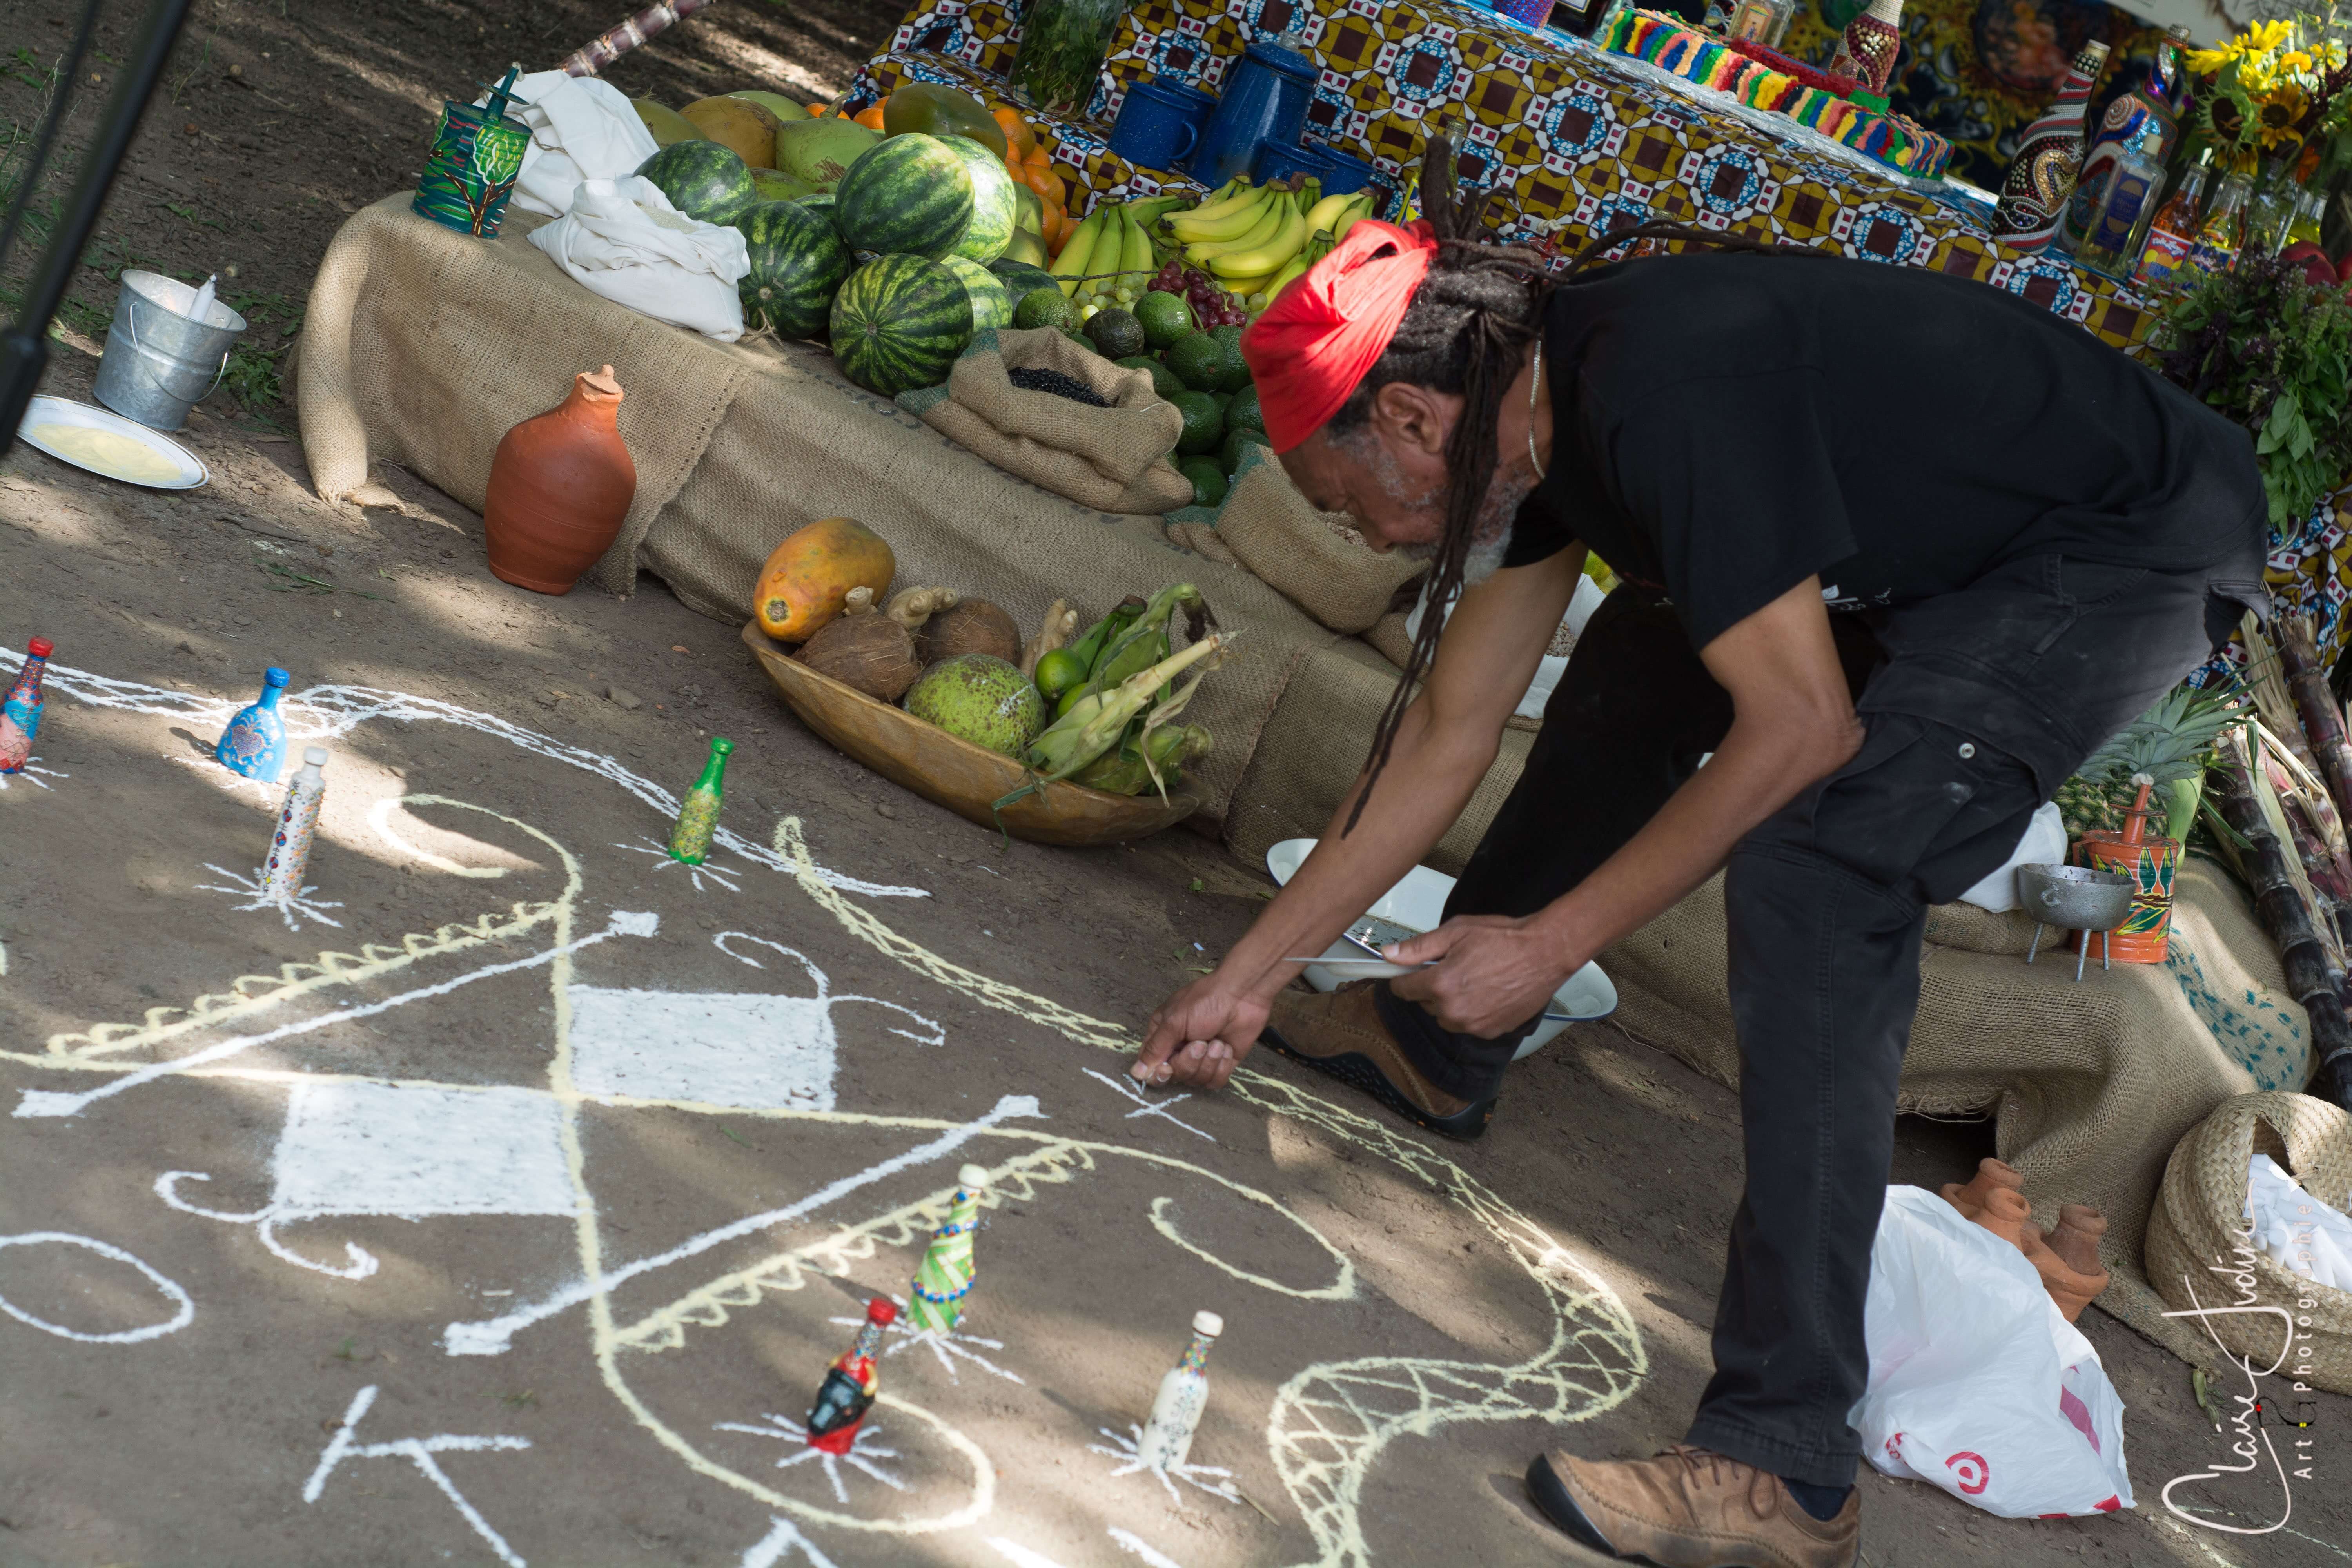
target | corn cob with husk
[
  {"x": 1144, "y": 642},
  {"x": 1145, "y": 757},
  {"x": 1098, "y": 718}
]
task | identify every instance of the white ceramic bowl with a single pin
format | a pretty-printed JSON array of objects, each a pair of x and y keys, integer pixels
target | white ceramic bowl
[
  {"x": 48, "y": 410},
  {"x": 1418, "y": 904}
]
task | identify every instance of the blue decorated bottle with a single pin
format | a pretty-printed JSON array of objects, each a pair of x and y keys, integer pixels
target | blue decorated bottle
[
  {"x": 20, "y": 715},
  {"x": 253, "y": 744}
]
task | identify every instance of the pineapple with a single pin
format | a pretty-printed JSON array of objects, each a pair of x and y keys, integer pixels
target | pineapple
[{"x": 2169, "y": 746}]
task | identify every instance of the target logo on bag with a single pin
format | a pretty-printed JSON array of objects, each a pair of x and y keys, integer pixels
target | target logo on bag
[{"x": 1970, "y": 1471}]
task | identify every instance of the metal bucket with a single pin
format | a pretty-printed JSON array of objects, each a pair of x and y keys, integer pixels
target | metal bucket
[{"x": 159, "y": 359}]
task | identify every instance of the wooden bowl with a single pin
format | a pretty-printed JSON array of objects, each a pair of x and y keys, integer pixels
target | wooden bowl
[{"x": 966, "y": 779}]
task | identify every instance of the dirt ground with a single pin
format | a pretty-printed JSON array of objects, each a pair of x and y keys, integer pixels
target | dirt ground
[{"x": 328, "y": 1295}]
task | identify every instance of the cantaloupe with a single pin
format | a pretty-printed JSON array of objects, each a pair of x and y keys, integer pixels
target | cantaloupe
[
  {"x": 804, "y": 582},
  {"x": 744, "y": 127}
]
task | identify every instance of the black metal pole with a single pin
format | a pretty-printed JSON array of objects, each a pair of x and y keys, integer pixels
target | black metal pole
[{"x": 25, "y": 347}]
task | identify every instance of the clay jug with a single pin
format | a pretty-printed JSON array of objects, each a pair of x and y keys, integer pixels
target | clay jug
[{"x": 559, "y": 485}]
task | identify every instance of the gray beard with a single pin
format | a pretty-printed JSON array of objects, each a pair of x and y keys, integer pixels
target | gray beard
[{"x": 1490, "y": 534}]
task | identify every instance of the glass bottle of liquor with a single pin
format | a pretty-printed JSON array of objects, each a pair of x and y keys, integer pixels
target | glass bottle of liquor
[
  {"x": 2041, "y": 178},
  {"x": 2142, "y": 114},
  {"x": 2172, "y": 236},
  {"x": 2269, "y": 210},
  {"x": 2223, "y": 231},
  {"x": 2116, "y": 203},
  {"x": 2310, "y": 210}
]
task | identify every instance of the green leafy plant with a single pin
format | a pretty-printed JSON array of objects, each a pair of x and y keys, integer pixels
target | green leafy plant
[
  {"x": 2169, "y": 746},
  {"x": 2274, "y": 353}
]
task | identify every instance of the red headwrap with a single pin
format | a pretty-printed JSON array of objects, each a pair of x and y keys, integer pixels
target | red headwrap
[{"x": 1310, "y": 347}]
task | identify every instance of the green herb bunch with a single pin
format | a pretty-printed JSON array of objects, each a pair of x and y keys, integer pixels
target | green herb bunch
[{"x": 2272, "y": 351}]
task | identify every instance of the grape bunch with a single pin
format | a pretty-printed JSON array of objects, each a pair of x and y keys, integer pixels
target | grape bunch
[{"x": 1211, "y": 306}]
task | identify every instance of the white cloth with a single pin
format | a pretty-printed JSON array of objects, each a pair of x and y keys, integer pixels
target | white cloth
[
  {"x": 582, "y": 128},
  {"x": 2302, "y": 1234},
  {"x": 1978, "y": 1383},
  {"x": 2043, "y": 844},
  {"x": 623, "y": 240},
  {"x": 1551, "y": 666}
]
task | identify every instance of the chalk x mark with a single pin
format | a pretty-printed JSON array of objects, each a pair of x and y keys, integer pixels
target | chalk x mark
[
  {"x": 783, "y": 1536},
  {"x": 47, "y": 1102},
  {"x": 250, "y": 889},
  {"x": 1146, "y": 1106},
  {"x": 493, "y": 1336},
  {"x": 183, "y": 1315},
  {"x": 418, "y": 1451},
  {"x": 863, "y": 1449},
  {"x": 33, "y": 775},
  {"x": 1127, "y": 1449}
]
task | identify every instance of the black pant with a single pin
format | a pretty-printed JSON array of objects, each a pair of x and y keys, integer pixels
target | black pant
[{"x": 1988, "y": 698}]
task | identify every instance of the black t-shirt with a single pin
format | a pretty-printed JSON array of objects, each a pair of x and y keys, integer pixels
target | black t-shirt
[{"x": 1727, "y": 425}]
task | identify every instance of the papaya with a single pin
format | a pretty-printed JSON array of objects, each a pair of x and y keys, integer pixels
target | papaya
[
  {"x": 667, "y": 123},
  {"x": 804, "y": 582},
  {"x": 744, "y": 127},
  {"x": 936, "y": 110}
]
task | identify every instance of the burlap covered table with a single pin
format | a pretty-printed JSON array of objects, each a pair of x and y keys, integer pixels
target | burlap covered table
[{"x": 422, "y": 347}]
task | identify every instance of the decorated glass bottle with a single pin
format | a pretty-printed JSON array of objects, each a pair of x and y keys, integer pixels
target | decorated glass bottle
[
  {"x": 2115, "y": 203},
  {"x": 2172, "y": 236},
  {"x": 20, "y": 714},
  {"x": 253, "y": 744},
  {"x": 2041, "y": 178},
  {"x": 298, "y": 825},
  {"x": 850, "y": 1384},
  {"x": 944, "y": 1277},
  {"x": 698, "y": 813},
  {"x": 2222, "y": 233},
  {"x": 2140, "y": 121},
  {"x": 1867, "y": 49},
  {"x": 1184, "y": 1394}
]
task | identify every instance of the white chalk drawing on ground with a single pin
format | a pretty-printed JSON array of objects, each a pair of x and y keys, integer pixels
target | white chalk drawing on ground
[
  {"x": 946, "y": 1348},
  {"x": 1126, "y": 1089},
  {"x": 1127, "y": 1448},
  {"x": 1126, "y": 1541},
  {"x": 720, "y": 876},
  {"x": 294, "y": 910},
  {"x": 184, "y": 1307},
  {"x": 405, "y": 1151},
  {"x": 33, "y": 773},
  {"x": 865, "y": 1448},
  {"x": 330, "y": 712},
  {"x": 420, "y": 1452},
  {"x": 782, "y": 1539}
]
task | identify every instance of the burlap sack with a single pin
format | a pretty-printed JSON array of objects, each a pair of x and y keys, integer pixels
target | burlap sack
[
  {"x": 1113, "y": 460},
  {"x": 2197, "y": 1251},
  {"x": 1312, "y": 558}
]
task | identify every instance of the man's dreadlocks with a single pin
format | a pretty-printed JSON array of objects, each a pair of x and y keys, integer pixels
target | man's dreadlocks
[{"x": 1480, "y": 306}]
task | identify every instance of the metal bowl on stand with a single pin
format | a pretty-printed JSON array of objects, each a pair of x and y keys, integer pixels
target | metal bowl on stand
[{"x": 2074, "y": 898}]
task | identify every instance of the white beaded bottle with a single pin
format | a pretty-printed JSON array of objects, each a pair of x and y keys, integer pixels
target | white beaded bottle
[
  {"x": 297, "y": 823},
  {"x": 1184, "y": 1394}
]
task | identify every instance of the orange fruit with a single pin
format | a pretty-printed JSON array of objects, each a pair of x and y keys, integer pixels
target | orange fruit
[
  {"x": 871, "y": 119},
  {"x": 1018, "y": 137},
  {"x": 1046, "y": 183},
  {"x": 815, "y": 110},
  {"x": 1036, "y": 156}
]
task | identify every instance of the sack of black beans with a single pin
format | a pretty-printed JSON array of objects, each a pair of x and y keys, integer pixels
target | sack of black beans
[{"x": 1062, "y": 418}]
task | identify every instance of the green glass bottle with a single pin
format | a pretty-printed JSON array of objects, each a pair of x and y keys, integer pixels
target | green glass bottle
[{"x": 698, "y": 813}]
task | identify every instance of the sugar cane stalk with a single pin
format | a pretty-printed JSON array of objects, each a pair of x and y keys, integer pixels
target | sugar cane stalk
[
  {"x": 2323, "y": 720},
  {"x": 2302, "y": 956},
  {"x": 595, "y": 56}
]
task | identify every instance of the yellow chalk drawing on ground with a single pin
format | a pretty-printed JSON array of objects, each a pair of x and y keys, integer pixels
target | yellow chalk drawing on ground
[{"x": 1329, "y": 1423}]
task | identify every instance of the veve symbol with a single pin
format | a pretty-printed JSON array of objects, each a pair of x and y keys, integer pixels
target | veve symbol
[{"x": 1975, "y": 1475}]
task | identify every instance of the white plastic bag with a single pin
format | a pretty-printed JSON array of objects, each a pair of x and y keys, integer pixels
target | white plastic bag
[
  {"x": 1549, "y": 669},
  {"x": 1978, "y": 1383},
  {"x": 623, "y": 239},
  {"x": 582, "y": 128},
  {"x": 2043, "y": 844}
]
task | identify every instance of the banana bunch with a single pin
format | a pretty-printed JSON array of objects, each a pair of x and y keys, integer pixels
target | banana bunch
[
  {"x": 1255, "y": 240},
  {"x": 1331, "y": 217},
  {"x": 1111, "y": 259}
]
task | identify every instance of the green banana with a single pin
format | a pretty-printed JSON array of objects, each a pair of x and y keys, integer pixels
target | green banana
[
  {"x": 1078, "y": 250},
  {"x": 1136, "y": 259},
  {"x": 1326, "y": 213},
  {"x": 1356, "y": 214}
]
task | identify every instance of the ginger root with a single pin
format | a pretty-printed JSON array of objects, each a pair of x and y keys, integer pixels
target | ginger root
[
  {"x": 858, "y": 601},
  {"x": 1060, "y": 624},
  {"x": 911, "y": 608}
]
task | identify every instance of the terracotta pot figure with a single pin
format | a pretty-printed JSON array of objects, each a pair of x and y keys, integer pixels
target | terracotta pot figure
[
  {"x": 2067, "y": 1258},
  {"x": 1992, "y": 1175},
  {"x": 559, "y": 485}
]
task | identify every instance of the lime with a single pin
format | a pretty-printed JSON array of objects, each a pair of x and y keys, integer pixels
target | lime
[
  {"x": 1068, "y": 699},
  {"x": 1209, "y": 486},
  {"x": 1044, "y": 307},
  {"x": 1163, "y": 380},
  {"x": 1059, "y": 671},
  {"x": 1237, "y": 442},
  {"x": 1165, "y": 317},
  {"x": 1241, "y": 413},
  {"x": 1197, "y": 360},
  {"x": 1116, "y": 332},
  {"x": 1233, "y": 371},
  {"x": 1203, "y": 425}
]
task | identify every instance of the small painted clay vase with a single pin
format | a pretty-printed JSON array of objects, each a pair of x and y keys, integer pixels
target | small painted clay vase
[
  {"x": 2068, "y": 1259},
  {"x": 559, "y": 485}
]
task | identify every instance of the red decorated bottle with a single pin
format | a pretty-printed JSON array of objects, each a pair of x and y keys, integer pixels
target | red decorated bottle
[
  {"x": 20, "y": 715},
  {"x": 1867, "y": 49},
  {"x": 850, "y": 1385},
  {"x": 2041, "y": 178}
]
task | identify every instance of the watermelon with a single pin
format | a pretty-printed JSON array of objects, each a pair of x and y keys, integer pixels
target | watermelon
[
  {"x": 703, "y": 180},
  {"x": 899, "y": 322},
  {"x": 1019, "y": 278},
  {"x": 993, "y": 209},
  {"x": 797, "y": 261},
  {"x": 991, "y": 305},
  {"x": 910, "y": 196}
]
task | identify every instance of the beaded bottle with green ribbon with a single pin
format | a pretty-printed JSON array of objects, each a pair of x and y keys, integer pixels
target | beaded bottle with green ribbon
[
  {"x": 698, "y": 813},
  {"x": 945, "y": 1275}
]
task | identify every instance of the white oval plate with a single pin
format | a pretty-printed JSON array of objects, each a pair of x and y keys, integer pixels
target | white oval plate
[
  {"x": 1418, "y": 904},
  {"x": 47, "y": 410}
]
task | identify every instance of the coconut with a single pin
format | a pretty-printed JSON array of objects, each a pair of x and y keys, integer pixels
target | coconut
[
  {"x": 980, "y": 699},
  {"x": 667, "y": 124},
  {"x": 870, "y": 652},
  {"x": 972, "y": 625}
]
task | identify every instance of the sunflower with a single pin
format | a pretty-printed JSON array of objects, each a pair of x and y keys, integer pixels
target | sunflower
[
  {"x": 2276, "y": 115},
  {"x": 2261, "y": 40}
]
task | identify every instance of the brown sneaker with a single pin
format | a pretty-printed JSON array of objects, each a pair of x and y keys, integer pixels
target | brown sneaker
[
  {"x": 1689, "y": 1508},
  {"x": 1341, "y": 1034}
]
